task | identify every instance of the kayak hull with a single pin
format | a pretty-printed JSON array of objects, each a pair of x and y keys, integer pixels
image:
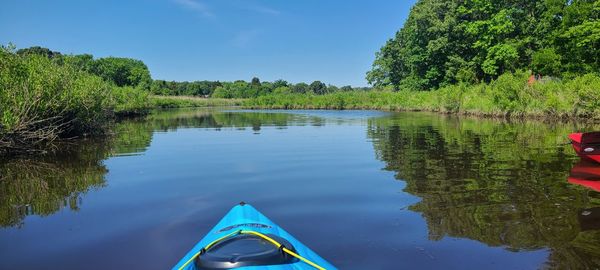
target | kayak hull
[
  {"x": 586, "y": 145},
  {"x": 247, "y": 218}
]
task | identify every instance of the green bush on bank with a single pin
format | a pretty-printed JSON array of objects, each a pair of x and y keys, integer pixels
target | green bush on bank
[
  {"x": 510, "y": 95},
  {"x": 37, "y": 92},
  {"x": 42, "y": 99},
  {"x": 128, "y": 100}
]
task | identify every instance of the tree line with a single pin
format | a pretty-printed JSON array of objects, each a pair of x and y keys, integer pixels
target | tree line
[
  {"x": 472, "y": 41},
  {"x": 46, "y": 95},
  {"x": 117, "y": 70},
  {"x": 244, "y": 89},
  {"x": 131, "y": 72}
]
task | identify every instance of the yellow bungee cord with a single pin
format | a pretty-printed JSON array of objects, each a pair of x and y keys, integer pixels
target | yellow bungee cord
[{"x": 269, "y": 239}]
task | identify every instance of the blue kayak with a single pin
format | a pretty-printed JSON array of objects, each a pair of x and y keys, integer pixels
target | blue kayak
[{"x": 247, "y": 239}]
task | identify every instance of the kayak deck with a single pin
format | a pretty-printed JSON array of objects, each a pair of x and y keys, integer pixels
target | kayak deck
[{"x": 245, "y": 219}]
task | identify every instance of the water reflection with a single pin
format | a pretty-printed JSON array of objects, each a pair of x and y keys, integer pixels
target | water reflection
[
  {"x": 589, "y": 219},
  {"x": 498, "y": 183},
  {"x": 587, "y": 174},
  {"x": 44, "y": 185}
]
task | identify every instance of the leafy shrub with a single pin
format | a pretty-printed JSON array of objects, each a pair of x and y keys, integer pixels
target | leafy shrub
[
  {"x": 43, "y": 99},
  {"x": 506, "y": 91},
  {"x": 587, "y": 90},
  {"x": 128, "y": 100}
]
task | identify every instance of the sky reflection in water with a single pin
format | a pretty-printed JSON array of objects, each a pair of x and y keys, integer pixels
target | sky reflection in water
[{"x": 366, "y": 190}]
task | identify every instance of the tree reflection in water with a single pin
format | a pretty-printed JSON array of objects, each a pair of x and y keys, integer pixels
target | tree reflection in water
[
  {"x": 44, "y": 185},
  {"x": 500, "y": 183}
]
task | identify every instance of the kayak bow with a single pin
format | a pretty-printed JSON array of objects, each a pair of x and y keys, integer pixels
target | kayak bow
[
  {"x": 247, "y": 239},
  {"x": 586, "y": 145}
]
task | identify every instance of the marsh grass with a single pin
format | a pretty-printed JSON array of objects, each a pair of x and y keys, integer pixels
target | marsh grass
[
  {"x": 42, "y": 100},
  {"x": 130, "y": 101},
  {"x": 187, "y": 101},
  {"x": 508, "y": 96}
]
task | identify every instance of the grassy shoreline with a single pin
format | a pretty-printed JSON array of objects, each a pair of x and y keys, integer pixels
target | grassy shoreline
[
  {"x": 190, "y": 101},
  {"x": 508, "y": 97},
  {"x": 43, "y": 99}
]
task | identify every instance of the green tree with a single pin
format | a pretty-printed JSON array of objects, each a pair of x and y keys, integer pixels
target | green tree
[
  {"x": 300, "y": 88},
  {"x": 37, "y": 50},
  {"x": 255, "y": 82},
  {"x": 84, "y": 62},
  {"x": 346, "y": 88},
  {"x": 318, "y": 88},
  {"x": 446, "y": 42},
  {"x": 123, "y": 71},
  {"x": 546, "y": 62},
  {"x": 280, "y": 83},
  {"x": 500, "y": 58},
  {"x": 221, "y": 92},
  {"x": 332, "y": 88}
]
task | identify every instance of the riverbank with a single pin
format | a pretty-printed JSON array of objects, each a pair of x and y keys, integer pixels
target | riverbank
[
  {"x": 47, "y": 96},
  {"x": 190, "y": 101},
  {"x": 508, "y": 96},
  {"x": 43, "y": 99}
]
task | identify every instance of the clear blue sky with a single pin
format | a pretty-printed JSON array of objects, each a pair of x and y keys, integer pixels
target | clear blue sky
[{"x": 297, "y": 40}]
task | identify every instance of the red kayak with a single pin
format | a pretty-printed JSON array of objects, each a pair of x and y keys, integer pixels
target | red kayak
[
  {"x": 586, "y": 145},
  {"x": 587, "y": 174}
]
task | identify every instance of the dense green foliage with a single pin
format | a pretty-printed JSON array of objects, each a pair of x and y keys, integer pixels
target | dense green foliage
[
  {"x": 43, "y": 98},
  {"x": 117, "y": 70},
  {"x": 37, "y": 50},
  {"x": 461, "y": 47},
  {"x": 241, "y": 89},
  {"x": 131, "y": 72},
  {"x": 508, "y": 95},
  {"x": 130, "y": 101},
  {"x": 122, "y": 71},
  {"x": 197, "y": 88},
  {"x": 447, "y": 42}
]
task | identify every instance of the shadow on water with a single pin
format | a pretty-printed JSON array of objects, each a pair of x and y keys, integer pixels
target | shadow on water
[{"x": 502, "y": 184}]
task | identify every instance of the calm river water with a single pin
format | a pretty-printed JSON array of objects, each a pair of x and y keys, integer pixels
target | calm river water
[{"x": 364, "y": 189}]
